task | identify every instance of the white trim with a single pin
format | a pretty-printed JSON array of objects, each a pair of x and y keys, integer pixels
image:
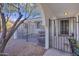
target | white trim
[
  {"x": 77, "y": 29},
  {"x": 46, "y": 27},
  {"x": 46, "y": 38}
]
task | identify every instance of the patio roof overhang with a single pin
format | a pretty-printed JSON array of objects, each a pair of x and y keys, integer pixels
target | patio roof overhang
[{"x": 61, "y": 10}]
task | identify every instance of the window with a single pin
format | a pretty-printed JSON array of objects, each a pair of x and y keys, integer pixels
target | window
[
  {"x": 38, "y": 25},
  {"x": 64, "y": 26}
]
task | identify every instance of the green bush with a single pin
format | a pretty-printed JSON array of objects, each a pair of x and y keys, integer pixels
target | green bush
[
  {"x": 72, "y": 40},
  {"x": 75, "y": 45}
]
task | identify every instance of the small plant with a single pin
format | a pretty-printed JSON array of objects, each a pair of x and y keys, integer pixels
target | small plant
[{"x": 74, "y": 45}]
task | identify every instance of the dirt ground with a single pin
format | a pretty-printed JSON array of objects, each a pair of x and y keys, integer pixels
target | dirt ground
[{"x": 18, "y": 47}]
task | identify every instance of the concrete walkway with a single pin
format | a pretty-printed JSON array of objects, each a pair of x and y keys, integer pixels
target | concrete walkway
[{"x": 54, "y": 52}]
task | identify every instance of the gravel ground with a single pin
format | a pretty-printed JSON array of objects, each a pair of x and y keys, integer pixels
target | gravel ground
[{"x": 22, "y": 48}]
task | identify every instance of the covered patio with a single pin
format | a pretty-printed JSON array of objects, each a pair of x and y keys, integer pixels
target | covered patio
[{"x": 49, "y": 33}]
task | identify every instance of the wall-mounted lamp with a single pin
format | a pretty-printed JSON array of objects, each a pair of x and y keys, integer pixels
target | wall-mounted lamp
[{"x": 65, "y": 13}]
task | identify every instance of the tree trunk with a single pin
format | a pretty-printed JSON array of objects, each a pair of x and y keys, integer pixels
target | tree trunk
[
  {"x": 2, "y": 47},
  {"x": 5, "y": 41},
  {"x": 8, "y": 36},
  {"x": 3, "y": 32}
]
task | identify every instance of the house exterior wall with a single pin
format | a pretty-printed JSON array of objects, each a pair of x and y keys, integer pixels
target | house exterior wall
[{"x": 31, "y": 28}]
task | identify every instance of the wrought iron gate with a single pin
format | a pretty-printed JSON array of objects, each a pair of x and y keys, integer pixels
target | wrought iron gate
[{"x": 59, "y": 42}]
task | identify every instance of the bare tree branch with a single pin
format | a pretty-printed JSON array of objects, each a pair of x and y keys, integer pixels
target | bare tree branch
[
  {"x": 35, "y": 18},
  {"x": 12, "y": 30},
  {"x": 17, "y": 23},
  {"x": 3, "y": 25},
  {"x": 8, "y": 17},
  {"x": 13, "y": 6},
  {"x": 18, "y": 19},
  {"x": 28, "y": 15},
  {"x": 15, "y": 26}
]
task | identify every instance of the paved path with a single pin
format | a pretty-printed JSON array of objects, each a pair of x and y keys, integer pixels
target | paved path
[{"x": 54, "y": 52}]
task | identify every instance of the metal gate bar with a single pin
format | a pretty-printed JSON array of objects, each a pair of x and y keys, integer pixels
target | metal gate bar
[{"x": 61, "y": 43}]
